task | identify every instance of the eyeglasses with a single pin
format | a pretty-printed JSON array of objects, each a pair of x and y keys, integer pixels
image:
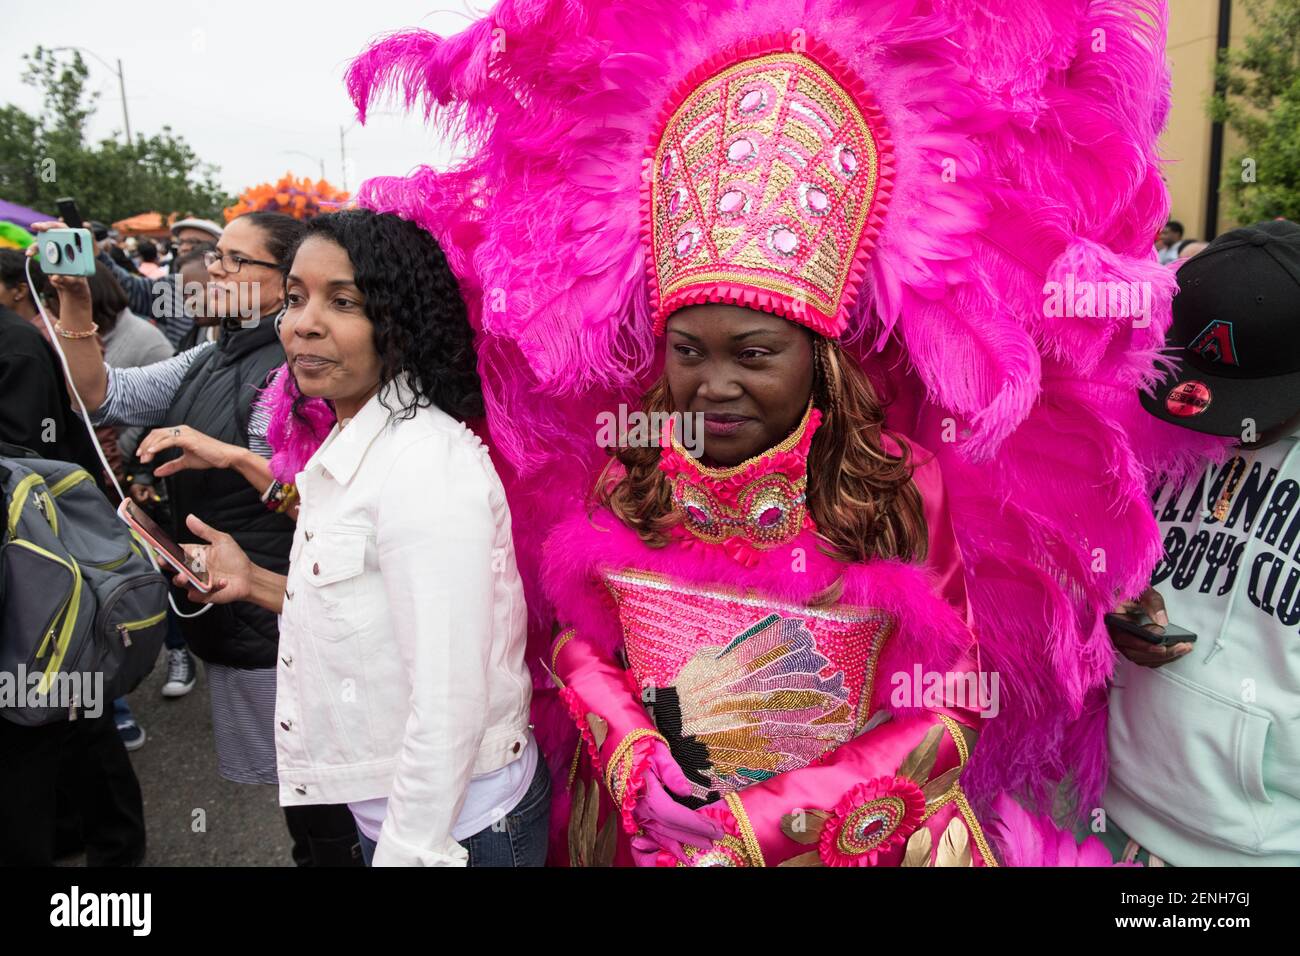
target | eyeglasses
[{"x": 232, "y": 263}]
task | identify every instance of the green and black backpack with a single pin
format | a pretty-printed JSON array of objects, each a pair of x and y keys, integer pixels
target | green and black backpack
[{"x": 82, "y": 610}]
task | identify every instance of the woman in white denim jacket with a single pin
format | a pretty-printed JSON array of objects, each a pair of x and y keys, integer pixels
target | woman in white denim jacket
[{"x": 402, "y": 689}]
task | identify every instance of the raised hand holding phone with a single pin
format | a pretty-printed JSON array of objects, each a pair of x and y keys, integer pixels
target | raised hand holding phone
[{"x": 73, "y": 289}]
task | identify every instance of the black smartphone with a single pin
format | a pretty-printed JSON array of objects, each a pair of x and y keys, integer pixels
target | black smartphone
[
  {"x": 1136, "y": 625},
  {"x": 69, "y": 213}
]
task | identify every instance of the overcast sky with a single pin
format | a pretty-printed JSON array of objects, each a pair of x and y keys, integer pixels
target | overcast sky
[{"x": 251, "y": 86}]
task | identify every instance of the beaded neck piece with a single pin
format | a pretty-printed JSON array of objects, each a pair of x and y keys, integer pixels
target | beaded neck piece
[{"x": 757, "y": 505}]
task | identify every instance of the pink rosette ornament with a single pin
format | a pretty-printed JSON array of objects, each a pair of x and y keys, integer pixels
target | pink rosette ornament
[{"x": 871, "y": 820}]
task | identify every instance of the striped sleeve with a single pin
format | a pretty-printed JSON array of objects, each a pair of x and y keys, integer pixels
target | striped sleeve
[
  {"x": 259, "y": 420},
  {"x": 160, "y": 300},
  {"x": 142, "y": 396}
]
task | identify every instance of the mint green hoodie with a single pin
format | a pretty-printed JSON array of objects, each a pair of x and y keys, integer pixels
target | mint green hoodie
[{"x": 1205, "y": 751}]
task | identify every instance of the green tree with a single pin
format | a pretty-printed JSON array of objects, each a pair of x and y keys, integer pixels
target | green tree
[
  {"x": 47, "y": 156},
  {"x": 1259, "y": 98}
]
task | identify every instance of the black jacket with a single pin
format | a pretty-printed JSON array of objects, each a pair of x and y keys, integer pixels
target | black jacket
[
  {"x": 215, "y": 398},
  {"x": 35, "y": 409}
]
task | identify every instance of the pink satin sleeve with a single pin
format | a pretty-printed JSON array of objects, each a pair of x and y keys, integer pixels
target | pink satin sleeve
[{"x": 604, "y": 704}]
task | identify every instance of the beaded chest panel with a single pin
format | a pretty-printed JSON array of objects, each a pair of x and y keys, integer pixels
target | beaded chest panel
[{"x": 743, "y": 687}]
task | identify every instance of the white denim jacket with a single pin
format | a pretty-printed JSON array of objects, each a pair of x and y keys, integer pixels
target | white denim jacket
[{"x": 401, "y": 670}]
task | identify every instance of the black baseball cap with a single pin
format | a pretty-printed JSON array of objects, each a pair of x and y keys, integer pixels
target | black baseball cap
[{"x": 1236, "y": 334}]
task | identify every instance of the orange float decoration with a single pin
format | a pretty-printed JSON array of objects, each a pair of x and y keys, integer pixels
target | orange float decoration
[{"x": 300, "y": 198}]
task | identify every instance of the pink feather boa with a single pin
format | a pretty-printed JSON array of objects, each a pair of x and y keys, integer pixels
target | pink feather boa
[
  {"x": 293, "y": 438},
  {"x": 1026, "y": 839}
]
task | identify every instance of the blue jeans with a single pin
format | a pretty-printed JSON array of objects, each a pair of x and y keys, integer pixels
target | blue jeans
[{"x": 517, "y": 839}]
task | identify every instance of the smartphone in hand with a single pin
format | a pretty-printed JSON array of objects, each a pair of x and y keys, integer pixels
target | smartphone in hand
[
  {"x": 161, "y": 542},
  {"x": 1137, "y": 625},
  {"x": 69, "y": 213},
  {"x": 67, "y": 252}
]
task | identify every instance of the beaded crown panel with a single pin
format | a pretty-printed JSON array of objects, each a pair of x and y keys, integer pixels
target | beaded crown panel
[{"x": 766, "y": 192}]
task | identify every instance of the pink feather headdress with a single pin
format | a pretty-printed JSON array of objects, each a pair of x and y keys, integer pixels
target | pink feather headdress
[{"x": 1022, "y": 143}]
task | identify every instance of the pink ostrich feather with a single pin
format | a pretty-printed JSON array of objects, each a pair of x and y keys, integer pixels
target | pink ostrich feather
[
  {"x": 293, "y": 435},
  {"x": 1026, "y": 839},
  {"x": 1024, "y": 137}
]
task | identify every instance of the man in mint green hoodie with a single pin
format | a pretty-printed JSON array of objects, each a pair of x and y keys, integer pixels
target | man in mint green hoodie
[{"x": 1205, "y": 736}]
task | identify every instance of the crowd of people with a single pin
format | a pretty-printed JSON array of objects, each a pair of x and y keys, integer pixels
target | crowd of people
[{"x": 452, "y": 633}]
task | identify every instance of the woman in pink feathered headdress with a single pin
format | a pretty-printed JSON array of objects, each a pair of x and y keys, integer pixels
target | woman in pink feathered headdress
[
  {"x": 763, "y": 585},
  {"x": 881, "y": 194}
]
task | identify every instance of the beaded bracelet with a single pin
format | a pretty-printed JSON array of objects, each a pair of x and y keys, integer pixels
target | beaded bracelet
[
  {"x": 279, "y": 496},
  {"x": 290, "y": 499},
  {"x": 64, "y": 333}
]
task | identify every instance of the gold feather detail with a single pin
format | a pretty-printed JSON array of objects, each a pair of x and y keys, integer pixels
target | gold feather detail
[
  {"x": 584, "y": 815},
  {"x": 606, "y": 843},
  {"x": 599, "y": 729},
  {"x": 918, "y": 849},
  {"x": 918, "y": 764},
  {"x": 805, "y": 827},
  {"x": 804, "y": 859},
  {"x": 954, "y": 848},
  {"x": 576, "y": 819},
  {"x": 940, "y": 785}
]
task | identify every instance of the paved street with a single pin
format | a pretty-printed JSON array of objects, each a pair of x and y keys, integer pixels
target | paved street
[{"x": 177, "y": 768}]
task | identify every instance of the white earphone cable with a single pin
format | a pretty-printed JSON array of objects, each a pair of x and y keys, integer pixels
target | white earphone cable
[{"x": 85, "y": 416}]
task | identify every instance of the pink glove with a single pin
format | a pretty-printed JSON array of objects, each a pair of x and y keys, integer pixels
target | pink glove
[
  {"x": 662, "y": 765},
  {"x": 665, "y": 824}
]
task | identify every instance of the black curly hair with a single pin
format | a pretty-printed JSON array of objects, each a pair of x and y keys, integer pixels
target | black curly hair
[{"x": 421, "y": 325}]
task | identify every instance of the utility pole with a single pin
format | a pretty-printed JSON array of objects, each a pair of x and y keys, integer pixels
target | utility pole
[
  {"x": 121, "y": 82},
  {"x": 343, "y": 158},
  {"x": 309, "y": 156},
  {"x": 121, "y": 85},
  {"x": 343, "y": 151}
]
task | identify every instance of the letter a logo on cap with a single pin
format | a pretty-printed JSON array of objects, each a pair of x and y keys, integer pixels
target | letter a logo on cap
[{"x": 1214, "y": 342}]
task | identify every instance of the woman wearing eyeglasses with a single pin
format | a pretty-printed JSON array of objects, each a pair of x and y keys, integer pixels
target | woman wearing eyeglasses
[{"x": 204, "y": 397}]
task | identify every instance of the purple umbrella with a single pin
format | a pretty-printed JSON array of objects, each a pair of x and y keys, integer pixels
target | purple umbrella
[{"x": 21, "y": 215}]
